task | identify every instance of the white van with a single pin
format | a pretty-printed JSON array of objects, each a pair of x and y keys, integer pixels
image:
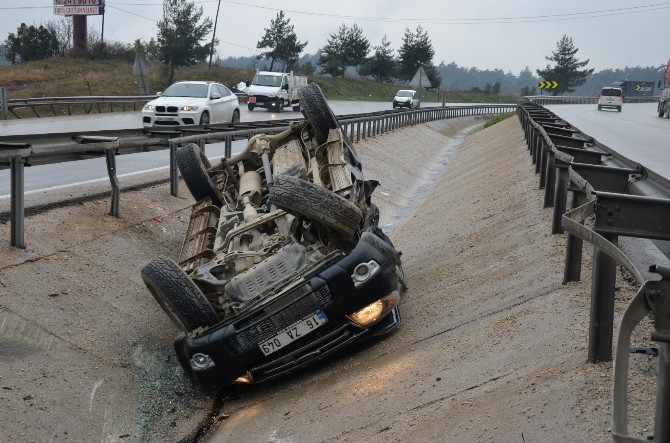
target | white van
[{"x": 610, "y": 97}]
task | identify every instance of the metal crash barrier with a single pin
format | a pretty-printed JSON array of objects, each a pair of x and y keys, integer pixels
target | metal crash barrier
[
  {"x": 610, "y": 197},
  {"x": 16, "y": 152}
]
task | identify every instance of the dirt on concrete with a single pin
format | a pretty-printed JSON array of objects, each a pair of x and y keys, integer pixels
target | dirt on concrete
[{"x": 492, "y": 345}]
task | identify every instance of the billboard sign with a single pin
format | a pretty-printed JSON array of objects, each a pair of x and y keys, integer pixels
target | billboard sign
[{"x": 79, "y": 7}]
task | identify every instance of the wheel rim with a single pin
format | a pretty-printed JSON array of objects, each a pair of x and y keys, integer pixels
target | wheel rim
[
  {"x": 236, "y": 117},
  {"x": 204, "y": 119}
]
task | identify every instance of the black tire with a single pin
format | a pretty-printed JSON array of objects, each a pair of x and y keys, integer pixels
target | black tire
[
  {"x": 176, "y": 293},
  {"x": 600, "y": 108},
  {"x": 236, "y": 117},
  {"x": 250, "y": 107},
  {"x": 317, "y": 112},
  {"x": 193, "y": 165},
  {"x": 318, "y": 204},
  {"x": 280, "y": 108},
  {"x": 660, "y": 113},
  {"x": 618, "y": 109},
  {"x": 394, "y": 105},
  {"x": 204, "y": 118}
]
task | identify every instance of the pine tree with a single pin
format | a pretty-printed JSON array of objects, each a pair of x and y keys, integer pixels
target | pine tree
[
  {"x": 179, "y": 35},
  {"x": 566, "y": 71},
  {"x": 381, "y": 66},
  {"x": 416, "y": 51},
  {"x": 282, "y": 43},
  {"x": 347, "y": 47}
]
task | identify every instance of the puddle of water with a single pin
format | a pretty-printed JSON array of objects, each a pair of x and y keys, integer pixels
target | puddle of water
[{"x": 426, "y": 182}]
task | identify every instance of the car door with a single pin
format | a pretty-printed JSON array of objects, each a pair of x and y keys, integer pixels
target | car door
[
  {"x": 216, "y": 104},
  {"x": 229, "y": 102}
]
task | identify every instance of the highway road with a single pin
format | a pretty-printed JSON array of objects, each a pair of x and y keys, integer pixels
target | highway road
[
  {"x": 636, "y": 132},
  {"x": 42, "y": 179}
]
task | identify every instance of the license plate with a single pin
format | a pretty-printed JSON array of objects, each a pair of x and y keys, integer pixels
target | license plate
[
  {"x": 165, "y": 119},
  {"x": 292, "y": 333},
  {"x": 252, "y": 99}
]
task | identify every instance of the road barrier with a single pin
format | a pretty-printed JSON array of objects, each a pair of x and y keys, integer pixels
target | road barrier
[
  {"x": 580, "y": 100},
  {"x": 87, "y": 104},
  {"x": 610, "y": 196},
  {"x": 16, "y": 152}
]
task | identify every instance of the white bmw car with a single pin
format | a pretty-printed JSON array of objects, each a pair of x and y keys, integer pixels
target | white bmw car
[{"x": 192, "y": 103}]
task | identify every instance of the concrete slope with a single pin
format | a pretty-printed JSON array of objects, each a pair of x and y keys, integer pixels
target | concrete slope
[{"x": 492, "y": 347}]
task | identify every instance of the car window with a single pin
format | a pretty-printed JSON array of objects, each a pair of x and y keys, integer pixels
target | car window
[
  {"x": 611, "y": 92},
  {"x": 267, "y": 80},
  {"x": 223, "y": 91},
  {"x": 186, "y": 90},
  {"x": 404, "y": 94}
]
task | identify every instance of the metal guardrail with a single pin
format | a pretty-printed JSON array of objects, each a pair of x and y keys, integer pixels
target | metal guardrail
[
  {"x": 57, "y": 106},
  {"x": 16, "y": 152},
  {"x": 576, "y": 100},
  {"x": 611, "y": 196}
]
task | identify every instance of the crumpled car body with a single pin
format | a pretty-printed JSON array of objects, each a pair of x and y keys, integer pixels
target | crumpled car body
[{"x": 283, "y": 262}]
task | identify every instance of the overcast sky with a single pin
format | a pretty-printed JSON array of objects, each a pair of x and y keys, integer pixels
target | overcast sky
[{"x": 486, "y": 34}]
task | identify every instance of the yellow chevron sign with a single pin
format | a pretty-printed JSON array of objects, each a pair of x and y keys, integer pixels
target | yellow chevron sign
[{"x": 549, "y": 84}]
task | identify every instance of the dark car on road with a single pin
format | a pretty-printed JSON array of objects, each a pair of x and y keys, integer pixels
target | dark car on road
[{"x": 283, "y": 262}]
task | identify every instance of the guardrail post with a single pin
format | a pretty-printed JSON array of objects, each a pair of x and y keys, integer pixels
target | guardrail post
[
  {"x": 174, "y": 173},
  {"x": 17, "y": 202},
  {"x": 560, "y": 195},
  {"x": 549, "y": 179},
  {"x": 573, "y": 245},
  {"x": 201, "y": 145},
  {"x": 3, "y": 103},
  {"x": 358, "y": 131},
  {"x": 110, "y": 155},
  {"x": 601, "y": 323},
  {"x": 229, "y": 147}
]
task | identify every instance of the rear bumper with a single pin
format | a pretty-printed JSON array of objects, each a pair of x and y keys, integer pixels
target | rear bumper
[{"x": 232, "y": 347}]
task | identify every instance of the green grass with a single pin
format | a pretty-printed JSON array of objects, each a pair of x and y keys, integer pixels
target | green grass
[
  {"x": 498, "y": 118},
  {"x": 74, "y": 77}
]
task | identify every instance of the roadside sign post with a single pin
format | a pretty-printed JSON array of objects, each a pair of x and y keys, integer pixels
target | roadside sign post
[{"x": 141, "y": 70}]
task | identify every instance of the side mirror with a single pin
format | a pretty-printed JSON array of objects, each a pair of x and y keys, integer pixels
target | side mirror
[
  {"x": 285, "y": 87},
  {"x": 159, "y": 93},
  {"x": 248, "y": 83},
  {"x": 216, "y": 96}
]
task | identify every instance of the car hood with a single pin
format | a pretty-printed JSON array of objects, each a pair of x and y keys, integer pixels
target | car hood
[
  {"x": 178, "y": 101},
  {"x": 262, "y": 90}
]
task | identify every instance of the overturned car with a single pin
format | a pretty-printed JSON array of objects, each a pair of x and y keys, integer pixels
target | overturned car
[{"x": 283, "y": 262}]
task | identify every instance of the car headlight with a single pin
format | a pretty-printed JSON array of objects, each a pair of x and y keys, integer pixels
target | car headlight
[
  {"x": 149, "y": 107},
  {"x": 375, "y": 311},
  {"x": 189, "y": 108}
]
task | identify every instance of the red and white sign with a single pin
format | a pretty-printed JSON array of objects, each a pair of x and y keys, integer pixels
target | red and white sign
[{"x": 78, "y": 7}]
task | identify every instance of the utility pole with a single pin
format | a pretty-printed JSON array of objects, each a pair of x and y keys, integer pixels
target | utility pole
[{"x": 216, "y": 20}]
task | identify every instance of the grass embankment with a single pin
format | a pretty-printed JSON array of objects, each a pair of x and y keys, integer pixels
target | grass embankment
[
  {"x": 76, "y": 77},
  {"x": 498, "y": 118}
]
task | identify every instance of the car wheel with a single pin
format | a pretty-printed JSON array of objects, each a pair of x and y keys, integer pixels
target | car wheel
[
  {"x": 204, "y": 118},
  {"x": 236, "y": 117},
  {"x": 250, "y": 107},
  {"x": 176, "y": 293},
  {"x": 280, "y": 108},
  {"x": 618, "y": 109},
  {"x": 304, "y": 198},
  {"x": 194, "y": 167},
  {"x": 660, "y": 112},
  {"x": 317, "y": 112},
  {"x": 600, "y": 108},
  {"x": 394, "y": 106}
]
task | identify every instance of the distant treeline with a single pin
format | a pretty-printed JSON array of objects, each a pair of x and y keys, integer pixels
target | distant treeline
[{"x": 460, "y": 78}]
